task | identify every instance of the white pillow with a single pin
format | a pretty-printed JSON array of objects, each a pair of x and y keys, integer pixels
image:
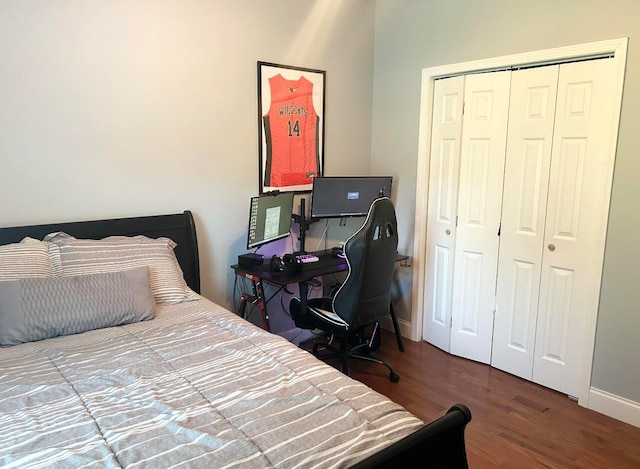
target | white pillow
[
  {"x": 116, "y": 253},
  {"x": 29, "y": 258}
]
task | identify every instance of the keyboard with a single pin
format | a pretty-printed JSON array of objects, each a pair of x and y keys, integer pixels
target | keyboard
[{"x": 306, "y": 258}]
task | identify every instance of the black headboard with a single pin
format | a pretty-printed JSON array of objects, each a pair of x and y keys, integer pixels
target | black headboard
[{"x": 179, "y": 227}]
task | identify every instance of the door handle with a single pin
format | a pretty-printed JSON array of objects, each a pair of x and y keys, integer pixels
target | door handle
[{"x": 551, "y": 247}]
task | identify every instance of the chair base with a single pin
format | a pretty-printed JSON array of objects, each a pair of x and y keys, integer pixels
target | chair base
[{"x": 344, "y": 352}]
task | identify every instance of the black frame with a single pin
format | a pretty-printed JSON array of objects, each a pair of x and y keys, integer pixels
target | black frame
[{"x": 266, "y": 71}]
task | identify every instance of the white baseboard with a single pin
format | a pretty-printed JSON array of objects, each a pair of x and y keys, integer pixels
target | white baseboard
[
  {"x": 617, "y": 407},
  {"x": 403, "y": 325}
]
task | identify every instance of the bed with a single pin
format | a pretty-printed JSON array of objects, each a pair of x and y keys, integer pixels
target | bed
[{"x": 110, "y": 357}]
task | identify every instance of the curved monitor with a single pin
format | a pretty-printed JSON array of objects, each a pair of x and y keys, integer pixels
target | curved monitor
[
  {"x": 269, "y": 218},
  {"x": 347, "y": 196}
]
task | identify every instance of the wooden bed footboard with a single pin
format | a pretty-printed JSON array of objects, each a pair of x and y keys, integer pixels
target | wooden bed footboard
[{"x": 438, "y": 445}]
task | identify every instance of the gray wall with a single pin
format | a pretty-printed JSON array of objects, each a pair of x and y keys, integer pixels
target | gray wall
[
  {"x": 415, "y": 34},
  {"x": 140, "y": 107}
]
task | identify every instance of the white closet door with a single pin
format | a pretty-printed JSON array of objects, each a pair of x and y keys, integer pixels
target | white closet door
[
  {"x": 442, "y": 203},
  {"x": 576, "y": 222},
  {"x": 531, "y": 120},
  {"x": 479, "y": 206}
]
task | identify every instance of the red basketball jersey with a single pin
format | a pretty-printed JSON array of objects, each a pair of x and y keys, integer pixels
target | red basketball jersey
[{"x": 291, "y": 131}]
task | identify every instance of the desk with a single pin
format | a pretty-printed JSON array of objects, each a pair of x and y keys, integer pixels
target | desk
[{"x": 327, "y": 264}]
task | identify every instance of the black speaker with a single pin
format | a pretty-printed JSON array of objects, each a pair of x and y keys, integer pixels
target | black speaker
[
  {"x": 277, "y": 265},
  {"x": 250, "y": 259}
]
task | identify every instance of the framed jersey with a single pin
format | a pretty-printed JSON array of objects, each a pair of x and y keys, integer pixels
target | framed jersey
[{"x": 291, "y": 122}]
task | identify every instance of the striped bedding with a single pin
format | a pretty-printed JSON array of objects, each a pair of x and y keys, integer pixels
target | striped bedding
[{"x": 195, "y": 387}]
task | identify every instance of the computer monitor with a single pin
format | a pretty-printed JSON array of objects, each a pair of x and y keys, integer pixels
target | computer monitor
[
  {"x": 346, "y": 196},
  {"x": 269, "y": 218}
]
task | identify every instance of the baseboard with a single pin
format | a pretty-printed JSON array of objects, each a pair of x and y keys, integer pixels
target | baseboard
[
  {"x": 617, "y": 407},
  {"x": 404, "y": 326}
]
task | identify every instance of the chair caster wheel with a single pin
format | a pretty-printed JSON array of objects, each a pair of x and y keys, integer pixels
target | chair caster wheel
[{"x": 394, "y": 377}]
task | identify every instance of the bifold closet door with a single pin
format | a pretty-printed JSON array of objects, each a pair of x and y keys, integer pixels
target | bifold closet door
[
  {"x": 531, "y": 250},
  {"x": 532, "y": 111},
  {"x": 576, "y": 222},
  {"x": 553, "y": 221},
  {"x": 478, "y": 215},
  {"x": 446, "y": 135},
  {"x": 465, "y": 193}
]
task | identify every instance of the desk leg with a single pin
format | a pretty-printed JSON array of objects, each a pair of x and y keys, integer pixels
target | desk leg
[
  {"x": 243, "y": 305},
  {"x": 258, "y": 300},
  {"x": 258, "y": 289},
  {"x": 304, "y": 291},
  {"x": 396, "y": 328}
]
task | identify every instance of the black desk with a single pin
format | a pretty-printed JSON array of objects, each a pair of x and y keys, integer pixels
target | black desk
[{"x": 326, "y": 265}]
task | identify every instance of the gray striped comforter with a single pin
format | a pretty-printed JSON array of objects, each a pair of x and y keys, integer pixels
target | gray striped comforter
[{"x": 195, "y": 387}]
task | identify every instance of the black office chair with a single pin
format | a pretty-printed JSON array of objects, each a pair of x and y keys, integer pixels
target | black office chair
[{"x": 365, "y": 295}]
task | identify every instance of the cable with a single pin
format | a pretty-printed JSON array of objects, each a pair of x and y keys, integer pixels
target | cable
[{"x": 323, "y": 236}]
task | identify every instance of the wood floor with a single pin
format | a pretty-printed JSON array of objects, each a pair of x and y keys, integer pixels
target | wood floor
[{"x": 515, "y": 423}]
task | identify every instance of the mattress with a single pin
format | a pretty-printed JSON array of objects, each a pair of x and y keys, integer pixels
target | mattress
[{"x": 196, "y": 386}]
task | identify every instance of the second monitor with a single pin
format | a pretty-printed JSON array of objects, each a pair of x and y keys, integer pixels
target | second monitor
[
  {"x": 269, "y": 218},
  {"x": 347, "y": 196}
]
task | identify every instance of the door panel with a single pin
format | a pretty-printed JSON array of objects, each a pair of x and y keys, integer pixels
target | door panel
[
  {"x": 531, "y": 122},
  {"x": 479, "y": 205},
  {"x": 553, "y": 344},
  {"x": 576, "y": 222},
  {"x": 442, "y": 205}
]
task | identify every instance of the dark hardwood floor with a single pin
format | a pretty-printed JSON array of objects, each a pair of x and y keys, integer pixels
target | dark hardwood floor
[{"x": 515, "y": 423}]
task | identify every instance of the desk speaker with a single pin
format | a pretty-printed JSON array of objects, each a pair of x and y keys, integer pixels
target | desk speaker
[{"x": 250, "y": 259}]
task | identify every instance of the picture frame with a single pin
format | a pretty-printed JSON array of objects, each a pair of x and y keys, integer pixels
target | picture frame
[{"x": 291, "y": 108}]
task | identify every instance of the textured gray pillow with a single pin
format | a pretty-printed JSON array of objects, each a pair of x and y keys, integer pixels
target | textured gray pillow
[{"x": 38, "y": 308}]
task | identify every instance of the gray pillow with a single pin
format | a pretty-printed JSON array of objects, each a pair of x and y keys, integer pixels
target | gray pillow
[{"x": 38, "y": 308}]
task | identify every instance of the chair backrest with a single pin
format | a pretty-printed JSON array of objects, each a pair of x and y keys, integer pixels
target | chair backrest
[{"x": 365, "y": 295}]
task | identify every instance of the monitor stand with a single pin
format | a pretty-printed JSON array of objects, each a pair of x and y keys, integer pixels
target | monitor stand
[{"x": 304, "y": 225}]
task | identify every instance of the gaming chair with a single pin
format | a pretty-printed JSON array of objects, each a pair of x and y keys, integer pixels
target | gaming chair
[{"x": 364, "y": 297}]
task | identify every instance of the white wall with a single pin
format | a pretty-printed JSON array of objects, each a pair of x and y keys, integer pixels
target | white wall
[
  {"x": 412, "y": 35},
  {"x": 142, "y": 107}
]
